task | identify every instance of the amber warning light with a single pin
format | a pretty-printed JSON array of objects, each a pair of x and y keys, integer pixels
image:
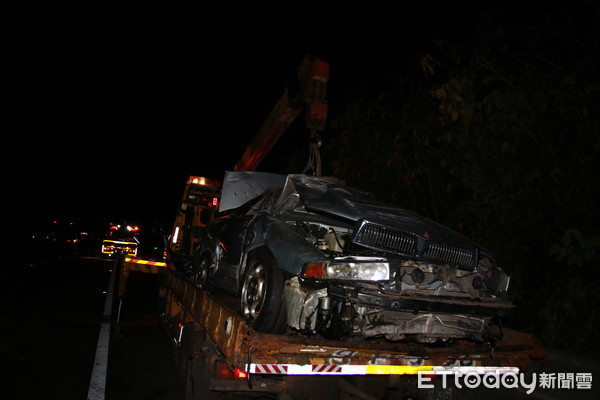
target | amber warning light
[{"x": 200, "y": 180}]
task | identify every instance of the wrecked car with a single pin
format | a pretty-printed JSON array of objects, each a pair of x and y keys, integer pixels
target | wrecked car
[{"x": 306, "y": 253}]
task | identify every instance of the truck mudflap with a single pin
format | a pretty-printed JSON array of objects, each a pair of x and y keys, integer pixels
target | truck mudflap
[{"x": 297, "y": 354}]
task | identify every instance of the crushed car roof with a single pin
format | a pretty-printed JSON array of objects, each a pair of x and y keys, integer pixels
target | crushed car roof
[
  {"x": 323, "y": 196},
  {"x": 319, "y": 195}
]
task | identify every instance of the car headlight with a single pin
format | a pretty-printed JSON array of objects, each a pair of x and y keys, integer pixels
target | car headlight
[{"x": 349, "y": 268}]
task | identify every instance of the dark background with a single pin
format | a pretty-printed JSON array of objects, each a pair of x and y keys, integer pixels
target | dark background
[
  {"x": 482, "y": 116},
  {"x": 109, "y": 108}
]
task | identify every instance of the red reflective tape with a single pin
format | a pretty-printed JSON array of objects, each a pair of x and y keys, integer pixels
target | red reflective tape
[
  {"x": 325, "y": 368},
  {"x": 271, "y": 369}
]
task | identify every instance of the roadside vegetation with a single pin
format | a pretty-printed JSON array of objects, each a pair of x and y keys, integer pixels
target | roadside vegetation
[{"x": 496, "y": 135}]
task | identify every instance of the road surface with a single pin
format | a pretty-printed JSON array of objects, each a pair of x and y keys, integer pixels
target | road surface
[{"x": 51, "y": 316}]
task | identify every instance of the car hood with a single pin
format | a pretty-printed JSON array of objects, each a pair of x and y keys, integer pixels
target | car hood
[{"x": 324, "y": 197}]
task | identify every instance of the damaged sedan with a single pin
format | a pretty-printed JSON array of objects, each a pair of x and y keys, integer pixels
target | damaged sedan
[{"x": 308, "y": 254}]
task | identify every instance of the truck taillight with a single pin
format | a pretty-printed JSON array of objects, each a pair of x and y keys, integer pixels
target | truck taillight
[
  {"x": 239, "y": 374},
  {"x": 224, "y": 371},
  {"x": 108, "y": 249}
]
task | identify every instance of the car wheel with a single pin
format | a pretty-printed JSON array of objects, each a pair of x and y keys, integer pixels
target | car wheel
[
  {"x": 201, "y": 267},
  {"x": 260, "y": 299}
]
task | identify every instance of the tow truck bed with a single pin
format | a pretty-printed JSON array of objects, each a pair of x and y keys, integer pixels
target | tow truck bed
[
  {"x": 211, "y": 339},
  {"x": 297, "y": 354}
]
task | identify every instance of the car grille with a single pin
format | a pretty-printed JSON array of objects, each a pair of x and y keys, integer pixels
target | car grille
[
  {"x": 385, "y": 239},
  {"x": 389, "y": 240},
  {"x": 450, "y": 254}
]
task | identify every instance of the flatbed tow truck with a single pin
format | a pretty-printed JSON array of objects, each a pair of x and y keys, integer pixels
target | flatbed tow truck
[
  {"x": 221, "y": 356},
  {"x": 218, "y": 353}
]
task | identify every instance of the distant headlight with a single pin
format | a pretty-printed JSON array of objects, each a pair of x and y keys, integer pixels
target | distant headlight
[{"x": 349, "y": 268}]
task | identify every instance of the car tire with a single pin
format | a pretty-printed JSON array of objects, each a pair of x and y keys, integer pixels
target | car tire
[
  {"x": 201, "y": 270},
  {"x": 260, "y": 300}
]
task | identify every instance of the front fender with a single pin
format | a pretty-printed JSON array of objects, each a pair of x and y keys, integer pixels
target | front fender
[{"x": 291, "y": 250}]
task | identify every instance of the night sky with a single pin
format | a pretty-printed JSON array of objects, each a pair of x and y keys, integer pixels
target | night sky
[{"x": 108, "y": 109}]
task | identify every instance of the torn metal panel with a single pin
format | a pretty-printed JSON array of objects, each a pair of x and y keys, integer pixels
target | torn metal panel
[{"x": 239, "y": 187}]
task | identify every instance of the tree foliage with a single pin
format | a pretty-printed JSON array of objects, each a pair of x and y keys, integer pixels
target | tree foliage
[{"x": 497, "y": 136}]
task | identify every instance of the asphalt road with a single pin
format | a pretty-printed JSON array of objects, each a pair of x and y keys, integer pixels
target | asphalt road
[{"x": 51, "y": 311}]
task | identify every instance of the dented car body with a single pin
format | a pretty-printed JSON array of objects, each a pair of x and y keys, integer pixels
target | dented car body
[{"x": 305, "y": 253}]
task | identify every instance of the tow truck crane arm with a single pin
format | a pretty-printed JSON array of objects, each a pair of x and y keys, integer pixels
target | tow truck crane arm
[
  {"x": 282, "y": 116},
  {"x": 313, "y": 75}
]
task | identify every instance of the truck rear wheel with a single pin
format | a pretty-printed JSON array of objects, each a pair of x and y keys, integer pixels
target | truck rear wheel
[{"x": 260, "y": 300}]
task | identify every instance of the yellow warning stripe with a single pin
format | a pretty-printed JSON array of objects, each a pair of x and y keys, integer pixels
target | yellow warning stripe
[
  {"x": 396, "y": 369},
  {"x": 148, "y": 262}
]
